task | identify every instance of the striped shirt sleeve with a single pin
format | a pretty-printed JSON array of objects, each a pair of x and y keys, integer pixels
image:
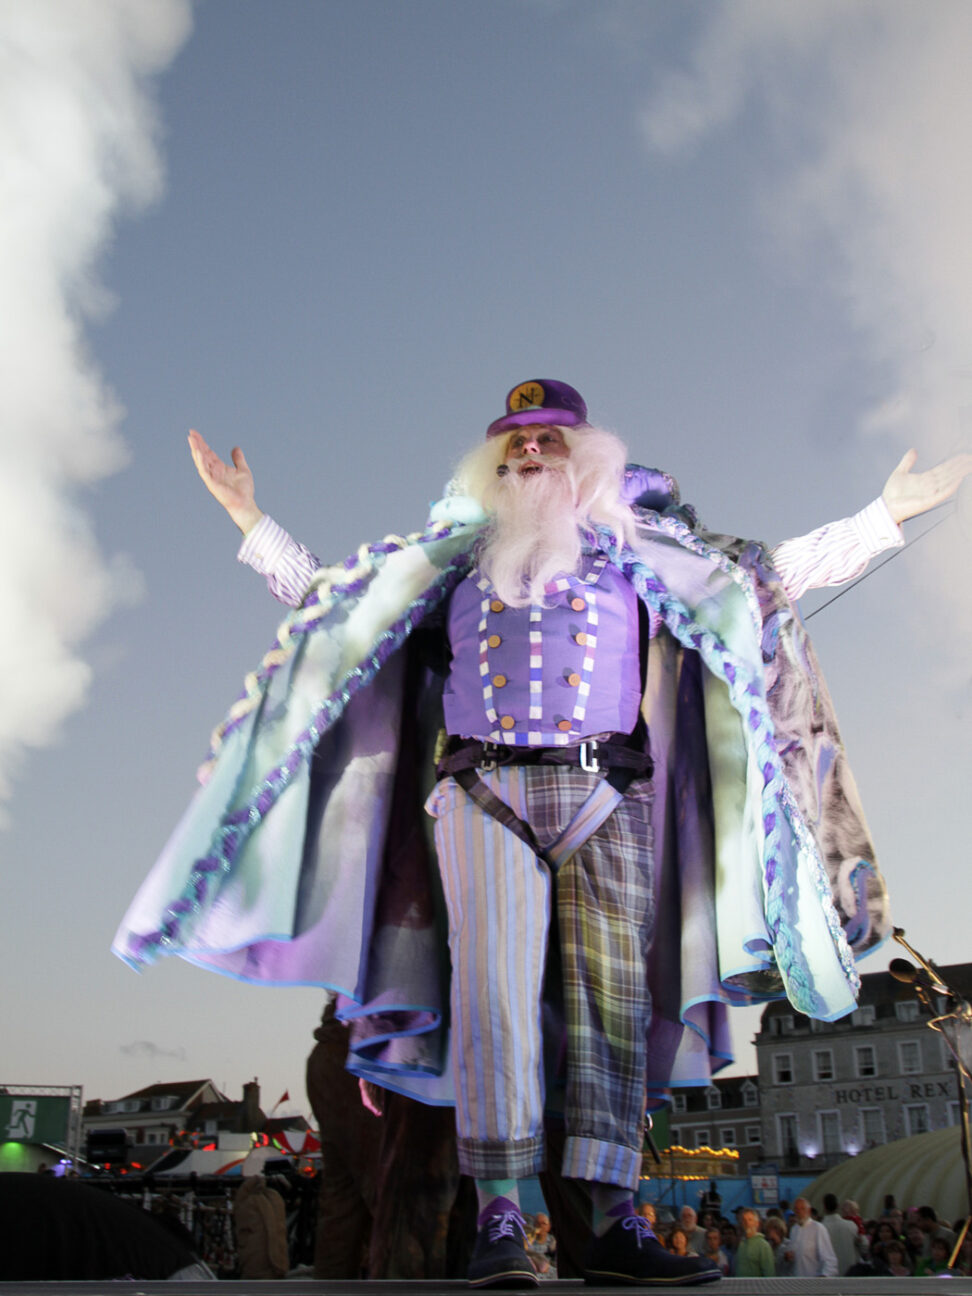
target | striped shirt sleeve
[
  {"x": 274, "y": 553},
  {"x": 837, "y": 552}
]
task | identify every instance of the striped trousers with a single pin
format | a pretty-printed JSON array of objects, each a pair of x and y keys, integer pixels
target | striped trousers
[{"x": 500, "y": 897}]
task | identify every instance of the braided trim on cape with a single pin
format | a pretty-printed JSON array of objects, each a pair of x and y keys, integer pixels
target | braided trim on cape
[
  {"x": 328, "y": 586},
  {"x": 235, "y": 827},
  {"x": 747, "y": 696}
]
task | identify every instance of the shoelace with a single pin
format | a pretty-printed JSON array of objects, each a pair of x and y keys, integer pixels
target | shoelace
[
  {"x": 502, "y": 1225},
  {"x": 642, "y": 1228}
]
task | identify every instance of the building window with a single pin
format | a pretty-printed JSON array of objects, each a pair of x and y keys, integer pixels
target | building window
[
  {"x": 863, "y": 1016},
  {"x": 783, "y": 1025},
  {"x": 713, "y": 1099},
  {"x": 727, "y": 1136},
  {"x": 750, "y": 1095},
  {"x": 703, "y": 1138},
  {"x": 909, "y": 1057},
  {"x": 786, "y": 1128},
  {"x": 674, "y": 1137},
  {"x": 754, "y": 1135},
  {"x": 865, "y": 1061},
  {"x": 823, "y": 1064},
  {"x": 916, "y": 1118},
  {"x": 906, "y": 1010},
  {"x": 782, "y": 1068},
  {"x": 678, "y": 1102},
  {"x": 872, "y": 1127},
  {"x": 954, "y": 1113},
  {"x": 828, "y": 1123}
]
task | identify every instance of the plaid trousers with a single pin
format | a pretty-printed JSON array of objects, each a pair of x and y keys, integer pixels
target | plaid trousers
[{"x": 499, "y": 896}]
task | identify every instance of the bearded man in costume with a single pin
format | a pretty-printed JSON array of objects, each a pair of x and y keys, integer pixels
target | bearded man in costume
[{"x": 629, "y": 735}]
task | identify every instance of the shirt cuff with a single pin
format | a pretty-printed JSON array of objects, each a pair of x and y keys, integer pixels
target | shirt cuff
[
  {"x": 263, "y": 545},
  {"x": 877, "y": 529}
]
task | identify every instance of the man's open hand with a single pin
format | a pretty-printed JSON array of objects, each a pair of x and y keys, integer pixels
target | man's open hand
[
  {"x": 908, "y": 493},
  {"x": 231, "y": 484}
]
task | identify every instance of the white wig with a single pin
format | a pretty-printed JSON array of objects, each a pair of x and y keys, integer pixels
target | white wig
[{"x": 536, "y": 531}]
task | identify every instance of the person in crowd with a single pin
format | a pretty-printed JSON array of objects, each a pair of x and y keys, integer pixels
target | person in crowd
[
  {"x": 392, "y": 1203},
  {"x": 544, "y": 1245},
  {"x": 932, "y": 1227},
  {"x": 754, "y": 1255},
  {"x": 914, "y": 1239},
  {"x": 730, "y": 1239},
  {"x": 852, "y": 1211},
  {"x": 260, "y": 1223},
  {"x": 647, "y": 1211},
  {"x": 774, "y": 1230},
  {"x": 678, "y": 1241},
  {"x": 936, "y": 1261},
  {"x": 849, "y": 1244},
  {"x": 895, "y": 1258},
  {"x": 884, "y": 1233},
  {"x": 710, "y": 1201},
  {"x": 713, "y": 1251},
  {"x": 694, "y": 1232},
  {"x": 808, "y": 1246}
]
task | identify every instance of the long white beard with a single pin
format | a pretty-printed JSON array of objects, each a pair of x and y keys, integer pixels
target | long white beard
[{"x": 535, "y": 533}]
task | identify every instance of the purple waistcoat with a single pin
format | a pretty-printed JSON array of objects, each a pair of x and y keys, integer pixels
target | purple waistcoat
[{"x": 545, "y": 676}]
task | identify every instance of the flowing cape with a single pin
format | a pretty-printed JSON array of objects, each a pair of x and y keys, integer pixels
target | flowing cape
[{"x": 306, "y": 859}]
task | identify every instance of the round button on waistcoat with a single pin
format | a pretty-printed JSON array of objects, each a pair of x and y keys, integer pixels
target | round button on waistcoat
[
  {"x": 507, "y": 722},
  {"x": 578, "y": 604},
  {"x": 580, "y": 638},
  {"x": 573, "y": 679},
  {"x": 563, "y": 724},
  {"x": 498, "y": 681},
  {"x": 496, "y": 605},
  {"x": 494, "y": 641}
]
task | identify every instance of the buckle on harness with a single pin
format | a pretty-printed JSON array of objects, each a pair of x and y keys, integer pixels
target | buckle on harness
[
  {"x": 588, "y": 757},
  {"x": 490, "y": 758}
]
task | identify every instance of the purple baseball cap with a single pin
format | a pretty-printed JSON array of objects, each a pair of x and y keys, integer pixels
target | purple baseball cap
[{"x": 541, "y": 400}]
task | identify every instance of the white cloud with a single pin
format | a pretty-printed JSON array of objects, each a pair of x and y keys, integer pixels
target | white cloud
[
  {"x": 78, "y": 146},
  {"x": 869, "y": 145},
  {"x": 864, "y": 125}
]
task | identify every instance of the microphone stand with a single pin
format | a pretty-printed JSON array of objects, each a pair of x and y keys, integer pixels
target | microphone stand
[{"x": 960, "y": 1021}]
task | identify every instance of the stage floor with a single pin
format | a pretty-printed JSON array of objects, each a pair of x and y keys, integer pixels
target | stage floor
[{"x": 308, "y": 1287}]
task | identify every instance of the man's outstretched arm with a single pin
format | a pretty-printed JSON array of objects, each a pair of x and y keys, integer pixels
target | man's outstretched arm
[
  {"x": 266, "y": 547},
  {"x": 841, "y": 550}
]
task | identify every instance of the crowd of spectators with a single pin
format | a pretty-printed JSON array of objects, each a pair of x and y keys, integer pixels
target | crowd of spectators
[
  {"x": 262, "y": 1231},
  {"x": 802, "y": 1242}
]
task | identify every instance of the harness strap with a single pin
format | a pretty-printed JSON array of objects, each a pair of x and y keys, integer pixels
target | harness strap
[{"x": 606, "y": 794}]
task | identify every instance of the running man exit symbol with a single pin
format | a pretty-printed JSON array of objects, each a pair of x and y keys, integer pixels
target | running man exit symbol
[{"x": 23, "y": 1114}]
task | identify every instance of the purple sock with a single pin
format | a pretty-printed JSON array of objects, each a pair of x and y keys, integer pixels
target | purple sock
[{"x": 498, "y": 1206}]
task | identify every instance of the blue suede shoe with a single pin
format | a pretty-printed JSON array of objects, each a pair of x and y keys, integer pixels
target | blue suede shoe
[
  {"x": 499, "y": 1257},
  {"x": 629, "y": 1252}
]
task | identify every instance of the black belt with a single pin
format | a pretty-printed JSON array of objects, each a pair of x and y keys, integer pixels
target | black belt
[
  {"x": 594, "y": 755},
  {"x": 464, "y": 757}
]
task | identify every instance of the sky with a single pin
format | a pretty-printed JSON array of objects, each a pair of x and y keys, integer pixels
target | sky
[{"x": 336, "y": 233}]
